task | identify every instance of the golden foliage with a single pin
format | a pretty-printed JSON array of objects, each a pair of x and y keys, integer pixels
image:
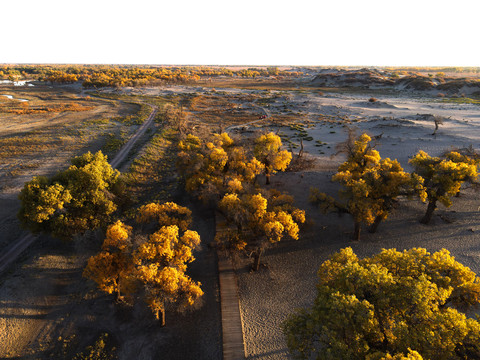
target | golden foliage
[
  {"x": 155, "y": 267},
  {"x": 389, "y": 305},
  {"x": 267, "y": 151},
  {"x": 82, "y": 197},
  {"x": 165, "y": 214},
  {"x": 258, "y": 221},
  {"x": 370, "y": 184},
  {"x": 117, "y": 236},
  {"x": 134, "y": 75},
  {"x": 442, "y": 178},
  {"x": 216, "y": 166},
  {"x": 112, "y": 268}
]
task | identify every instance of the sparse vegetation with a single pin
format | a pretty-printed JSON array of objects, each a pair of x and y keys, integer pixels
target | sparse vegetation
[
  {"x": 214, "y": 142},
  {"x": 117, "y": 76}
]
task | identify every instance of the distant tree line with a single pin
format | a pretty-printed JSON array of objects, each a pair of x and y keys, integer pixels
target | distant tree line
[{"x": 124, "y": 75}]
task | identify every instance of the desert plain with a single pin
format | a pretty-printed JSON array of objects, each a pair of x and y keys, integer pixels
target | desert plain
[{"x": 48, "y": 310}]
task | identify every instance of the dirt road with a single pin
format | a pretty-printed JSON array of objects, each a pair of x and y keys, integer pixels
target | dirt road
[
  {"x": 12, "y": 252},
  {"x": 122, "y": 154}
]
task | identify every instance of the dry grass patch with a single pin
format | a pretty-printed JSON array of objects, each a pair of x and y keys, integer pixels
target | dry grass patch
[
  {"x": 21, "y": 108},
  {"x": 35, "y": 139},
  {"x": 223, "y": 110},
  {"x": 152, "y": 175}
]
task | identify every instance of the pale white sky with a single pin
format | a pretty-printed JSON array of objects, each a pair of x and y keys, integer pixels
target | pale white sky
[{"x": 247, "y": 32}]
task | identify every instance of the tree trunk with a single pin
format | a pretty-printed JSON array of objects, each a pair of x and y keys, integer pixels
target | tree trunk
[
  {"x": 373, "y": 228},
  {"x": 300, "y": 153},
  {"x": 162, "y": 317},
  {"x": 432, "y": 205},
  {"x": 256, "y": 259},
  {"x": 356, "y": 231},
  {"x": 119, "y": 296},
  {"x": 267, "y": 177}
]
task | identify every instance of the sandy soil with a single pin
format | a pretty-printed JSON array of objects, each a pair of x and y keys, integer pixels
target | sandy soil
[
  {"x": 287, "y": 281},
  {"x": 403, "y": 126},
  {"x": 45, "y": 300},
  {"x": 45, "y": 303},
  {"x": 55, "y": 138}
]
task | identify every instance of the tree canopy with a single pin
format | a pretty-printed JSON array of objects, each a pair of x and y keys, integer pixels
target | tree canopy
[
  {"x": 153, "y": 267},
  {"x": 370, "y": 185},
  {"x": 215, "y": 166},
  {"x": 82, "y": 197},
  {"x": 443, "y": 177},
  {"x": 393, "y": 305},
  {"x": 258, "y": 221},
  {"x": 267, "y": 151}
]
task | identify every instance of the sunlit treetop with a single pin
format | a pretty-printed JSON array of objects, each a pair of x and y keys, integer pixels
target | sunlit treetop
[
  {"x": 443, "y": 177},
  {"x": 165, "y": 214},
  {"x": 268, "y": 152},
  {"x": 215, "y": 166},
  {"x": 258, "y": 221},
  {"x": 82, "y": 197},
  {"x": 393, "y": 305},
  {"x": 150, "y": 267}
]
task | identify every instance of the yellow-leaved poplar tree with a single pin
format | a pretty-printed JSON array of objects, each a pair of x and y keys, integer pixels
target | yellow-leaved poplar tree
[
  {"x": 82, "y": 197},
  {"x": 371, "y": 185},
  {"x": 267, "y": 151},
  {"x": 393, "y": 305},
  {"x": 161, "y": 263},
  {"x": 258, "y": 222},
  {"x": 112, "y": 268},
  {"x": 213, "y": 167},
  {"x": 154, "y": 267},
  {"x": 442, "y": 177}
]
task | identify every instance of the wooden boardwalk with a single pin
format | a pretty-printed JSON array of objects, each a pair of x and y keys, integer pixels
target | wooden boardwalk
[{"x": 232, "y": 331}]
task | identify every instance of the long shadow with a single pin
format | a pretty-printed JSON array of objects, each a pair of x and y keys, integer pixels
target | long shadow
[
  {"x": 32, "y": 317},
  {"x": 17, "y": 305},
  {"x": 283, "y": 352}
]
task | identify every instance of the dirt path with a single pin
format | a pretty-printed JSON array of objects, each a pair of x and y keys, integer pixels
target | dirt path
[
  {"x": 12, "y": 252},
  {"x": 31, "y": 317},
  {"x": 122, "y": 154}
]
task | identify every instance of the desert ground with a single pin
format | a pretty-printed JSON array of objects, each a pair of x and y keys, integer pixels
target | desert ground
[{"x": 43, "y": 297}]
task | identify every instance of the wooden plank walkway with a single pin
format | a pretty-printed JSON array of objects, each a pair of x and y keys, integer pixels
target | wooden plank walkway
[{"x": 232, "y": 330}]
